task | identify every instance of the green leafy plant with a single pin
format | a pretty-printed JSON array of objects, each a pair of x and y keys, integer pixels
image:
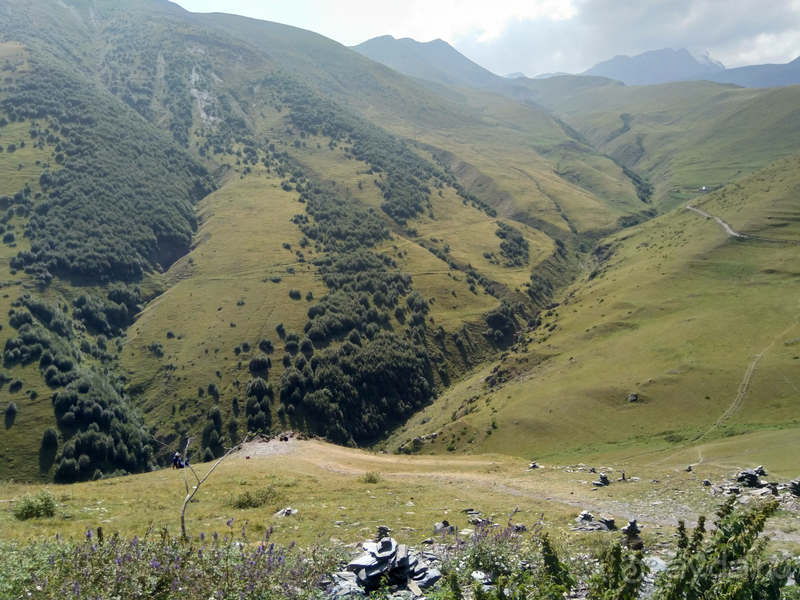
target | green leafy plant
[
  {"x": 36, "y": 506},
  {"x": 731, "y": 563},
  {"x": 621, "y": 576},
  {"x": 371, "y": 477},
  {"x": 257, "y": 498}
]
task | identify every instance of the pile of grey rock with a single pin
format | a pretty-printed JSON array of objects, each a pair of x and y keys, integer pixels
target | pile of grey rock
[
  {"x": 602, "y": 481},
  {"x": 406, "y": 572},
  {"x": 749, "y": 481},
  {"x": 443, "y": 528},
  {"x": 751, "y": 477},
  {"x": 475, "y": 517},
  {"x": 586, "y": 522}
]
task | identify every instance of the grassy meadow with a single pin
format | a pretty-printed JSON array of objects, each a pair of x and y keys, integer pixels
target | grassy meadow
[{"x": 343, "y": 495}]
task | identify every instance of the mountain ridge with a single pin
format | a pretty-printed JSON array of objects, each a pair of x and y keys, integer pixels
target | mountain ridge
[
  {"x": 370, "y": 248},
  {"x": 656, "y": 66},
  {"x": 435, "y": 61}
]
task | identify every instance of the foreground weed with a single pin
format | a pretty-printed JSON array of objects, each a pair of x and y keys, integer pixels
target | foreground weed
[{"x": 162, "y": 567}]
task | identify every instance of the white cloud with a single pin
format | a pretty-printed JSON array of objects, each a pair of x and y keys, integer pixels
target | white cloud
[
  {"x": 451, "y": 19},
  {"x": 735, "y": 32}
]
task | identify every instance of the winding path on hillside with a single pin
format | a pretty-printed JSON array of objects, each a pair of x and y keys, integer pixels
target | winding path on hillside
[
  {"x": 728, "y": 229},
  {"x": 744, "y": 386},
  {"x": 731, "y": 231}
]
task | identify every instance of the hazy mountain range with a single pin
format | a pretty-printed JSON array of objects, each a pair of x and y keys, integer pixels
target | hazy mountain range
[{"x": 439, "y": 62}]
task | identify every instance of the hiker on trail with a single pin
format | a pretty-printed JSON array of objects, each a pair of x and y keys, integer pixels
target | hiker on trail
[{"x": 176, "y": 461}]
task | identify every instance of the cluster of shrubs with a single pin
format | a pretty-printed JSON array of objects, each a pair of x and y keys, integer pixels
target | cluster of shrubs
[
  {"x": 109, "y": 434},
  {"x": 121, "y": 203},
  {"x": 406, "y": 186},
  {"x": 339, "y": 225},
  {"x": 257, "y": 498},
  {"x": 644, "y": 189},
  {"x": 57, "y": 358},
  {"x": 441, "y": 254},
  {"x": 105, "y": 433},
  {"x": 500, "y": 321},
  {"x": 41, "y": 505},
  {"x": 540, "y": 289},
  {"x": 354, "y": 393},
  {"x": 514, "y": 247},
  {"x": 258, "y": 409},
  {"x": 212, "y": 437},
  {"x": 52, "y": 316},
  {"x": 110, "y": 315}
]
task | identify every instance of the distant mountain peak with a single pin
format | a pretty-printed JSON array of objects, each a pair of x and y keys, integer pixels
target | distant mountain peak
[
  {"x": 658, "y": 66},
  {"x": 549, "y": 75},
  {"x": 435, "y": 61},
  {"x": 703, "y": 57}
]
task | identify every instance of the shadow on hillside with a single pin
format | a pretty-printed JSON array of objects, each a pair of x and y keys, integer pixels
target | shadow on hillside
[
  {"x": 10, "y": 418},
  {"x": 47, "y": 456}
]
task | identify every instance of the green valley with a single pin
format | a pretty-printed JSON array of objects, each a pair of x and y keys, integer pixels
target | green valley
[
  {"x": 385, "y": 301},
  {"x": 218, "y": 226}
]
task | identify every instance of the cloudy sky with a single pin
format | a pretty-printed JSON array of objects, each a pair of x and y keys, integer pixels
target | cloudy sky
[{"x": 537, "y": 36}]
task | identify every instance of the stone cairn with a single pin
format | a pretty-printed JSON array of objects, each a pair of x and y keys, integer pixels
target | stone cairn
[
  {"x": 602, "y": 481},
  {"x": 632, "y": 538},
  {"x": 475, "y": 517},
  {"x": 385, "y": 558},
  {"x": 586, "y": 522},
  {"x": 751, "y": 477},
  {"x": 443, "y": 528}
]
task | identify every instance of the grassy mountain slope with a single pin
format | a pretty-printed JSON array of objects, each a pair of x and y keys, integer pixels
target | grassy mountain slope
[
  {"x": 252, "y": 123},
  {"x": 308, "y": 239},
  {"x": 688, "y": 135},
  {"x": 474, "y": 127},
  {"x": 676, "y": 311}
]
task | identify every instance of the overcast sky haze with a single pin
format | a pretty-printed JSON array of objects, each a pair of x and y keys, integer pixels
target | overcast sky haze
[{"x": 537, "y": 36}]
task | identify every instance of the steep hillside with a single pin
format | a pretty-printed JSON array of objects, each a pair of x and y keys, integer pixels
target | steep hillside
[
  {"x": 699, "y": 324},
  {"x": 216, "y": 225},
  {"x": 371, "y": 300},
  {"x": 446, "y": 122}
]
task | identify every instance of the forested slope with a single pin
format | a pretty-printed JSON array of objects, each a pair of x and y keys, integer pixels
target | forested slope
[{"x": 216, "y": 226}]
